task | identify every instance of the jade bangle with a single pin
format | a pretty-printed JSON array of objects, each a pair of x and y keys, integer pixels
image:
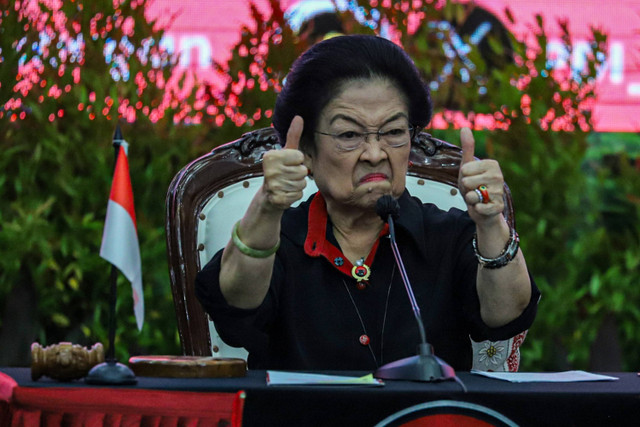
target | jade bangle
[{"x": 253, "y": 253}]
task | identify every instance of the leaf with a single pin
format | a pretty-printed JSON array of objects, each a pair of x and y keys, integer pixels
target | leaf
[
  {"x": 60, "y": 319},
  {"x": 594, "y": 285}
]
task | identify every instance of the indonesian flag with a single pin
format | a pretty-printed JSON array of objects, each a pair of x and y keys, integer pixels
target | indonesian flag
[{"x": 120, "y": 237}]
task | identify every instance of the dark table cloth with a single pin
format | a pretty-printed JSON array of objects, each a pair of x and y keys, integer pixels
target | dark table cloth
[{"x": 606, "y": 403}]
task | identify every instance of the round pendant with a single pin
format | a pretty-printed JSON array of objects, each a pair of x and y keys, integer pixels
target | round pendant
[{"x": 361, "y": 272}]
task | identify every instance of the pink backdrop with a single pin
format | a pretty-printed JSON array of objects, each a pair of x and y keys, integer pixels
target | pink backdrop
[{"x": 205, "y": 31}]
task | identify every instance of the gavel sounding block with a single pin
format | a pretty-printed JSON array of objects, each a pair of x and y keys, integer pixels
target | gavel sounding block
[{"x": 187, "y": 367}]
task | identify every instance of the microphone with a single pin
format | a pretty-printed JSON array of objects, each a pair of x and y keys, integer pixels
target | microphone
[
  {"x": 387, "y": 205},
  {"x": 425, "y": 366}
]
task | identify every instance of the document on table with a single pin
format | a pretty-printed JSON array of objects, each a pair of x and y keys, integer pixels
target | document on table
[
  {"x": 550, "y": 377},
  {"x": 299, "y": 378}
]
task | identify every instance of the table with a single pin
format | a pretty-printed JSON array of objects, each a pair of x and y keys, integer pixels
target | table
[
  {"x": 48, "y": 403},
  {"x": 612, "y": 403}
]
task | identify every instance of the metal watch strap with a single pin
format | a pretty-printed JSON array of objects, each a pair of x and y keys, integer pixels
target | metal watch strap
[{"x": 508, "y": 253}]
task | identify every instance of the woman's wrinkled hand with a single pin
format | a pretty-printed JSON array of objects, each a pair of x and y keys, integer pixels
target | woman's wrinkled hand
[
  {"x": 480, "y": 182},
  {"x": 284, "y": 171}
]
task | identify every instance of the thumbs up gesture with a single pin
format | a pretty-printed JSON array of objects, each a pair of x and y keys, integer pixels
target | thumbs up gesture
[
  {"x": 480, "y": 182},
  {"x": 284, "y": 172}
]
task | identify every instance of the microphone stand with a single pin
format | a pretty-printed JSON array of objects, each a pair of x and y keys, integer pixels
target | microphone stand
[{"x": 425, "y": 366}]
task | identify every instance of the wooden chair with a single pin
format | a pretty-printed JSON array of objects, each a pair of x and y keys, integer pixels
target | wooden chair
[{"x": 211, "y": 193}]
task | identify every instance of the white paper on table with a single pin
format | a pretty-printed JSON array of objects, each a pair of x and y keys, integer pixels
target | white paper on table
[
  {"x": 550, "y": 377},
  {"x": 299, "y": 378}
]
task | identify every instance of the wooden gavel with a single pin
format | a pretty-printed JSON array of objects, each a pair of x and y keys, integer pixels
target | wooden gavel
[{"x": 64, "y": 361}]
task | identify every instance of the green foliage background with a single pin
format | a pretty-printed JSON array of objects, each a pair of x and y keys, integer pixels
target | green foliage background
[
  {"x": 54, "y": 185},
  {"x": 576, "y": 193}
]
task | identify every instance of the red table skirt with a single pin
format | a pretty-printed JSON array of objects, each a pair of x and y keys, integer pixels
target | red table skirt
[{"x": 117, "y": 407}]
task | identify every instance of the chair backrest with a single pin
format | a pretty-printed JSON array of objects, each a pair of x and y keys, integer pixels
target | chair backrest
[{"x": 211, "y": 193}]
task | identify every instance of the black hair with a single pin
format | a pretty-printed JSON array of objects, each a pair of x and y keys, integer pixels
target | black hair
[{"x": 319, "y": 72}]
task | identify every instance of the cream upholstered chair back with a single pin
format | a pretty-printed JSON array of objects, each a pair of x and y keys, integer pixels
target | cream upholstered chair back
[{"x": 210, "y": 194}]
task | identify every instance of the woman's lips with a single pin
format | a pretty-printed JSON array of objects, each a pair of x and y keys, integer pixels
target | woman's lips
[{"x": 373, "y": 177}]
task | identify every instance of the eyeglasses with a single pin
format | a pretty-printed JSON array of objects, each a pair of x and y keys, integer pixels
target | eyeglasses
[{"x": 394, "y": 137}]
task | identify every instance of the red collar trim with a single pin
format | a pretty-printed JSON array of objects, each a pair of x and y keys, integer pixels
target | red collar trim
[{"x": 316, "y": 243}]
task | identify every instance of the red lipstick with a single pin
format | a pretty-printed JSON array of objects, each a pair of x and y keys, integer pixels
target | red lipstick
[{"x": 373, "y": 177}]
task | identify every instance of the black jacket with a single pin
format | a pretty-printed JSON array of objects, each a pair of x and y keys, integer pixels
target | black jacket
[{"x": 314, "y": 315}]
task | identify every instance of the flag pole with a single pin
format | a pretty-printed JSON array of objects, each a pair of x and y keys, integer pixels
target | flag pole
[
  {"x": 110, "y": 371},
  {"x": 113, "y": 282},
  {"x": 113, "y": 297}
]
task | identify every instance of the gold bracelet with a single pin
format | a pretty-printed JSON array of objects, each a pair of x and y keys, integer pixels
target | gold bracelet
[{"x": 253, "y": 253}]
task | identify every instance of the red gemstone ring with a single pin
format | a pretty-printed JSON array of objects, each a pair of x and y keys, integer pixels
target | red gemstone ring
[{"x": 483, "y": 194}]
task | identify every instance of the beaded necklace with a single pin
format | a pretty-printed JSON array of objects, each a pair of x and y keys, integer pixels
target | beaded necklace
[{"x": 364, "y": 339}]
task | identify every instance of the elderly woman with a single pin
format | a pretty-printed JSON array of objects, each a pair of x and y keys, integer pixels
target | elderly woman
[{"x": 316, "y": 286}]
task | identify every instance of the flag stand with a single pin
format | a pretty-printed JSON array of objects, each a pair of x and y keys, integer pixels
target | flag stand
[{"x": 110, "y": 371}]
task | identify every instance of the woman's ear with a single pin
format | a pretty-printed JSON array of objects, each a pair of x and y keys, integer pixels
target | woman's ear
[{"x": 308, "y": 162}]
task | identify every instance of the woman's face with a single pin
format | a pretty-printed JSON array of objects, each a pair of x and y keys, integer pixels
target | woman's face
[{"x": 355, "y": 178}]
